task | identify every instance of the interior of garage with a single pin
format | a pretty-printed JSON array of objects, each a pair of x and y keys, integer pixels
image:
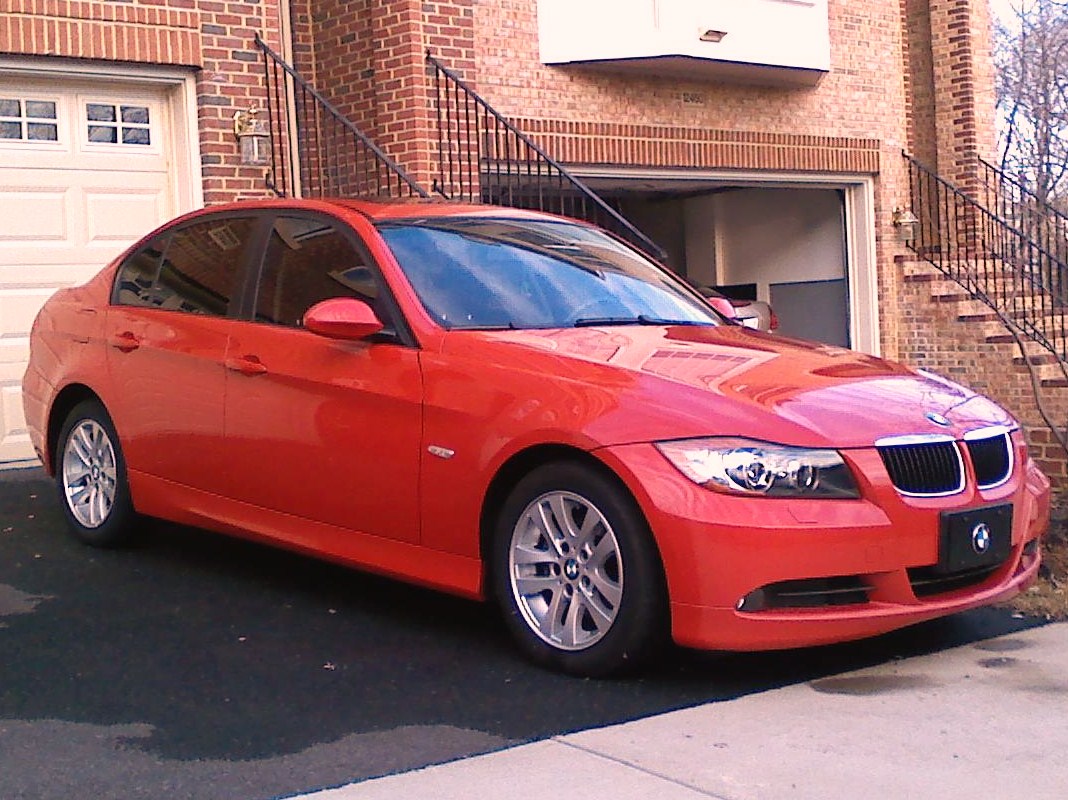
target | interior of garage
[{"x": 783, "y": 245}]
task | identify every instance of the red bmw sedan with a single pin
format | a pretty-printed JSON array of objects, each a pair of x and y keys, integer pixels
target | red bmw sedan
[{"x": 518, "y": 407}]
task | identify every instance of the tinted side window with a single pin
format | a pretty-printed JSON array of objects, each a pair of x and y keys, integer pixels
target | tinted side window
[
  {"x": 194, "y": 271},
  {"x": 133, "y": 285},
  {"x": 307, "y": 261}
]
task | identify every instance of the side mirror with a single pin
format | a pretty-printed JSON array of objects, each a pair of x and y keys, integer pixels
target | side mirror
[
  {"x": 342, "y": 318},
  {"x": 723, "y": 306}
]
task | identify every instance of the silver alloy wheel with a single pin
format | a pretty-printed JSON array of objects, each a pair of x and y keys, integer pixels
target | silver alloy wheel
[
  {"x": 566, "y": 570},
  {"x": 89, "y": 473}
]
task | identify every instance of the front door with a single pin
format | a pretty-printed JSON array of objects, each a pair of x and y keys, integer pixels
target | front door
[{"x": 320, "y": 429}]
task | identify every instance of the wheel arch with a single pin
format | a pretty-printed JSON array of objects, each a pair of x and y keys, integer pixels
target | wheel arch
[
  {"x": 64, "y": 402},
  {"x": 521, "y": 463}
]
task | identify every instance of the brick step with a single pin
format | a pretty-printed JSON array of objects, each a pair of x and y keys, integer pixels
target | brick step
[
  {"x": 1007, "y": 285},
  {"x": 958, "y": 294},
  {"x": 1051, "y": 321},
  {"x": 989, "y": 329},
  {"x": 1049, "y": 372},
  {"x": 994, "y": 332}
]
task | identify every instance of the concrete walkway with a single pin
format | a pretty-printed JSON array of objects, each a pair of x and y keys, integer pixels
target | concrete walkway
[{"x": 988, "y": 720}]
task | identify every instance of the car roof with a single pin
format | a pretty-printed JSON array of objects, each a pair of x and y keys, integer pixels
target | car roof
[{"x": 378, "y": 210}]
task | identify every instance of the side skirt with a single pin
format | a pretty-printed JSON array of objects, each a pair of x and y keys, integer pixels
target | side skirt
[{"x": 404, "y": 561}]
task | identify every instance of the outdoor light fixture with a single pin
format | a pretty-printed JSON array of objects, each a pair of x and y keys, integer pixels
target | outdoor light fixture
[
  {"x": 906, "y": 223},
  {"x": 255, "y": 138}
]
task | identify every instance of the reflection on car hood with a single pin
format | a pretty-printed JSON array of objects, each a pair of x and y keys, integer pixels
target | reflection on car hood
[{"x": 690, "y": 381}]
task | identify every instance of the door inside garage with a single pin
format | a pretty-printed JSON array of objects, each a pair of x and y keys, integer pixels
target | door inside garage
[{"x": 85, "y": 170}]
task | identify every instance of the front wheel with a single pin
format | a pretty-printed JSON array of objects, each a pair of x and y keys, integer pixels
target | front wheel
[
  {"x": 576, "y": 572},
  {"x": 91, "y": 477}
]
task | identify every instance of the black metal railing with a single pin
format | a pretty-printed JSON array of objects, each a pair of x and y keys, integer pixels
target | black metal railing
[
  {"x": 315, "y": 150},
  {"x": 1022, "y": 279},
  {"x": 482, "y": 157},
  {"x": 1010, "y": 199}
]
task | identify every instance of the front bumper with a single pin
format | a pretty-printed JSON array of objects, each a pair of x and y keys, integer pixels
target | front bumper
[{"x": 718, "y": 550}]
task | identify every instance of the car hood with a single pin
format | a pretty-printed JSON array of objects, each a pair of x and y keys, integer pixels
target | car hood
[{"x": 681, "y": 381}]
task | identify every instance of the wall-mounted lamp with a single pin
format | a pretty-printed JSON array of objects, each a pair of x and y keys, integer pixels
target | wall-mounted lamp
[
  {"x": 906, "y": 223},
  {"x": 712, "y": 35},
  {"x": 255, "y": 138}
]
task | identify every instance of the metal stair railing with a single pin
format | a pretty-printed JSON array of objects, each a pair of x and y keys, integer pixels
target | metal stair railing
[
  {"x": 482, "y": 157},
  {"x": 1035, "y": 217},
  {"x": 315, "y": 150},
  {"x": 1023, "y": 281}
]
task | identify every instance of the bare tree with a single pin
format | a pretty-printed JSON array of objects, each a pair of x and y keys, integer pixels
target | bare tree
[{"x": 1031, "y": 56}]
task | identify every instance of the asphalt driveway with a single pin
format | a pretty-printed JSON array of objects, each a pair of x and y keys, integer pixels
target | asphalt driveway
[{"x": 197, "y": 666}]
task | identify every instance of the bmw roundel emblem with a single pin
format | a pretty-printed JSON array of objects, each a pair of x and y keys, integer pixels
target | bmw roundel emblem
[
  {"x": 937, "y": 419},
  {"x": 981, "y": 538}
]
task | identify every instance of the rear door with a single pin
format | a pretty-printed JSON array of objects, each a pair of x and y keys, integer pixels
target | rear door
[
  {"x": 321, "y": 429},
  {"x": 167, "y": 334}
]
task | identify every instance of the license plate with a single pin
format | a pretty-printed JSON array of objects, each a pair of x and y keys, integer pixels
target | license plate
[{"x": 978, "y": 537}]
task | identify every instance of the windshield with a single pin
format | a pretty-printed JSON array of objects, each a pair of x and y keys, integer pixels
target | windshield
[{"x": 478, "y": 272}]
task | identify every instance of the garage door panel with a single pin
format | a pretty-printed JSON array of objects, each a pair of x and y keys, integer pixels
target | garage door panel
[
  {"x": 71, "y": 201},
  {"x": 14, "y": 351},
  {"x": 35, "y": 213},
  {"x": 51, "y": 276},
  {"x": 119, "y": 217},
  {"x": 18, "y": 307},
  {"x": 14, "y": 439}
]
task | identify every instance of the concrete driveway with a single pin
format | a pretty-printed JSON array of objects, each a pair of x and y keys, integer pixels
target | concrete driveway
[{"x": 986, "y": 720}]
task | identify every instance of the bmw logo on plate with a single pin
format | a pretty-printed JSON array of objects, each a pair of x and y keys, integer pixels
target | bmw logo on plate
[
  {"x": 981, "y": 538},
  {"x": 937, "y": 419}
]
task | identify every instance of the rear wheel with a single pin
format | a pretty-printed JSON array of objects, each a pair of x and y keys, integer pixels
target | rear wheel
[
  {"x": 91, "y": 477},
  {"x": 576, "y": 572}
]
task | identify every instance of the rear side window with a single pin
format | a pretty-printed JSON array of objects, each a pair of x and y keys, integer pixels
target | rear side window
[
  {"x": 192, "y": 269},
  {"x": 307, "y": 261}
]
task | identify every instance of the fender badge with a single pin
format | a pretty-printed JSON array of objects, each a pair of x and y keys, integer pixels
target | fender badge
[
  {"x": 937, "y": 419},
  {"x": 440, "y": 452}
]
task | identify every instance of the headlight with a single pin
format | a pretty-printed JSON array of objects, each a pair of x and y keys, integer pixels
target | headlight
[{"x": 747, "y": 466}]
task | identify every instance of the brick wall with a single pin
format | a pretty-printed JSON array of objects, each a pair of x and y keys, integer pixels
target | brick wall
[
  {"x": 215, "y": 38},
  {"x": 919, "y": 81},
  {"x": 334, "y": 49},
  {"x": 963, "y": 88}
]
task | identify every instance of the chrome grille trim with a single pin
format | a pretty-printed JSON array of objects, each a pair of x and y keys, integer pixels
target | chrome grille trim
[{"x": 923, "y": 465}]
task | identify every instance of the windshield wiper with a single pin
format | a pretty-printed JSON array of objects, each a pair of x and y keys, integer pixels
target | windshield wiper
[{"x": 640, "y": 319}]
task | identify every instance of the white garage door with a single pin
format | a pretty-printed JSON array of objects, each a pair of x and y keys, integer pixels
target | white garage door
[{"x": 83, "y": 173}]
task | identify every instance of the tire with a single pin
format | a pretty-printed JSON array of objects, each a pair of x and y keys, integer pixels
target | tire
[
  {"x": 91, "y": 478},
  {"x": 576, "y": 573}
]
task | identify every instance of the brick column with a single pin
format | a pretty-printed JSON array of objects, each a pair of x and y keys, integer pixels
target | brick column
[
  {"x": 368, "y": 57},
  {"x": 963, "y": 84},
  {"x": 403, "y": 115}
]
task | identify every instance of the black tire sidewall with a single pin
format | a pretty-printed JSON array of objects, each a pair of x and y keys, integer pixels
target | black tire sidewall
[
  {"x": 117, "y": 529},
  {"x": 642, "y": 621}
]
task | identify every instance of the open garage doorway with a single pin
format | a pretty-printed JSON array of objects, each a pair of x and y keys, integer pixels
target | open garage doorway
[{"x": 804, "y": 245}]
